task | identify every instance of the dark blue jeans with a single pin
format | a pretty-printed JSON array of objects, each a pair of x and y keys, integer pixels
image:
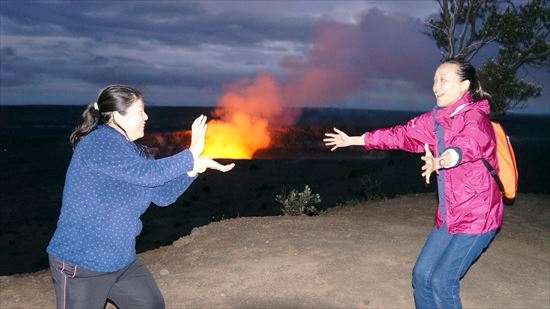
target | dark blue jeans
[{"x": 443, "y": 261}]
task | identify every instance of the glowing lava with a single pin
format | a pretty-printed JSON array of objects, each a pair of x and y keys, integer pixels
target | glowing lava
[
  {"x": 238, "y": 138},
  {"x": 245, "y": 112}
]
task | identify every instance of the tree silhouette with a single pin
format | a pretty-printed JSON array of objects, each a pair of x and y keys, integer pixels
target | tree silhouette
[{"x": 520, "y": 32}]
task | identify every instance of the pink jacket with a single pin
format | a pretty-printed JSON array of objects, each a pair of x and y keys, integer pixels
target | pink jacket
[{"x": 472, "y": 199}]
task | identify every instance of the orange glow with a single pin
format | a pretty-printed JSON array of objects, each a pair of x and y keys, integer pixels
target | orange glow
[
  {"x": 249, "y": 111},
  {"x": 238, "y": 139},
  {"x": 246, "y": 111}
]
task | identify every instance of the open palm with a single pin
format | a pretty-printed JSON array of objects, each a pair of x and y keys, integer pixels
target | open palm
[{"x": 337, "y": 140}]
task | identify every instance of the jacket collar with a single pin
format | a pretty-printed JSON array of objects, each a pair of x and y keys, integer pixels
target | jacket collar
[{"x": 464, "y": 104}]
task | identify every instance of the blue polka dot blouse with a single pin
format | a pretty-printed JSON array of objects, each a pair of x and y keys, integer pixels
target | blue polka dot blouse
[{"x": 109, "y": 185}]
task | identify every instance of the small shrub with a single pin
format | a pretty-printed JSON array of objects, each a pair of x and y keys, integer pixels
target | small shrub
[
  {"x": 299, "y": 203},
  {"x": 371, "y": 189}
]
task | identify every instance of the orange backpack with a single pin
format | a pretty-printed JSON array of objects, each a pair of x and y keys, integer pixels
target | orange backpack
[{"x": 507, "y": 177}]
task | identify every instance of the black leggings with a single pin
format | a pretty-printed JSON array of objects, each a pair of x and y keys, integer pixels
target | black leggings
[{"x": 130, "y": 287}]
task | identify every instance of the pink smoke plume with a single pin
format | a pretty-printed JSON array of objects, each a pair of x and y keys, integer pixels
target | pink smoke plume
[{"x": 339, "y": 61}]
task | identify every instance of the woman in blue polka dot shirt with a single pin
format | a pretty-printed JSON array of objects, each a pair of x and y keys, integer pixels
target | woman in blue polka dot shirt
[{"x": 110, "y": 183}]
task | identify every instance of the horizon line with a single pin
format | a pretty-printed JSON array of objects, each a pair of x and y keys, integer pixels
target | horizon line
[{"x": 514, "y": 112}]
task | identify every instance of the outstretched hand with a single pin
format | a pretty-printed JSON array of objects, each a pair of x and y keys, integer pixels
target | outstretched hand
[
  {"x": 198, "y": 133},
  {"x": 337, "y": 140},
  {"x": 202, "y": 163},
  {"x": 430, "y": 165}
]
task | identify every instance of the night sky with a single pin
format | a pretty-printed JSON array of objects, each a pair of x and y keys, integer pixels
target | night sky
[{"x": 351, "y": 54}]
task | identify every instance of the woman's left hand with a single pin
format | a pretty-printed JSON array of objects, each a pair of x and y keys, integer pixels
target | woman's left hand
[
  {"x": 430, "y": 164},
  {"x": 202, "y": 163}
]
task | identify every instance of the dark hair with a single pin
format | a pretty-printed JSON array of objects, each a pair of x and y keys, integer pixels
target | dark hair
[
  {"x": 466, "y": 71},
  {"x": 114, "y": 98}
]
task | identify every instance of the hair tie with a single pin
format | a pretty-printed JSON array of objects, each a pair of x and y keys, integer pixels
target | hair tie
[{"x": 96, "y": 107}]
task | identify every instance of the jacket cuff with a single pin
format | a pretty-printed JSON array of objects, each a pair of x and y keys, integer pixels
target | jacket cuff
[
  {"x": 365, "y": 143},
  {"x": 456, "y": 156}
]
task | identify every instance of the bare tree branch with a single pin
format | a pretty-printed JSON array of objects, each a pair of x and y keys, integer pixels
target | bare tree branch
[
  {"x": 528, "y": 58},
  {"x": 476, "y": 47},
  {"x": 434, "y": 27},
  {"x": 467, "y": 19},
  {"x": 448, "y": 20}
]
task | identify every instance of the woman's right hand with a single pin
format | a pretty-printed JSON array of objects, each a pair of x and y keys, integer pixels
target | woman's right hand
[
  {"x": 198, "y": 133},
  {"x": 341, "y": 139}
]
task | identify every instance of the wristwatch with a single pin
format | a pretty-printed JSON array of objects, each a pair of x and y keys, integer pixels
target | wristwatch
[{"x": 441, "y": 163}]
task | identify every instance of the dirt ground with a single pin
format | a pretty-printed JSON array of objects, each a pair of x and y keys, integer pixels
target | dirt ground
[{"x": 359, "y": 255}]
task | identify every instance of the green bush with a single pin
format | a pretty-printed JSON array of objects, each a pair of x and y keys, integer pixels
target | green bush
[
  {"x": 299, "y": 203},
  {"x": 371, "y": 189}
]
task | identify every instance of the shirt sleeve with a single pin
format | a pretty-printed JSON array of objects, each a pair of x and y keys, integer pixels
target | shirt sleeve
[
  {"x": 119, "y": 159},
  {"x": 169, "y": 192},
  {"x": 409, "y": 137}
]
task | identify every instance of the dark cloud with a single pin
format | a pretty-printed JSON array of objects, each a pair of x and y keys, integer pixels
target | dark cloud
[
  {"x": 199, "y": 46},
  {"x": 130, "y": 71},
  {"x": 15, "y": 70},
  {"x": 128, "y": 22},
  {"x": 74, "y": 40},
  {"x": 101, "y": 70}
]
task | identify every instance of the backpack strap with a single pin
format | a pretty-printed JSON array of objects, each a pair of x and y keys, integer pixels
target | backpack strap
[{"x": 494, "y": 173}]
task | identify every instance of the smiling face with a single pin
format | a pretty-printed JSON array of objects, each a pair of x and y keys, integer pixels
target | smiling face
[
  {"x": 448, "y": 86},
  {"x": 133, "y": 121}
]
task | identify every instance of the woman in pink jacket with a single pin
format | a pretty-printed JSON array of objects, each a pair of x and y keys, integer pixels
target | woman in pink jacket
[{"x": 455, "y": 136}]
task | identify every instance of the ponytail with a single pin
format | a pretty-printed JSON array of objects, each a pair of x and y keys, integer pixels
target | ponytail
[
  {"x": 88, "y": 121},
  {"x": 466, "y": 71},
  {"x": 479, "y": 94}
]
